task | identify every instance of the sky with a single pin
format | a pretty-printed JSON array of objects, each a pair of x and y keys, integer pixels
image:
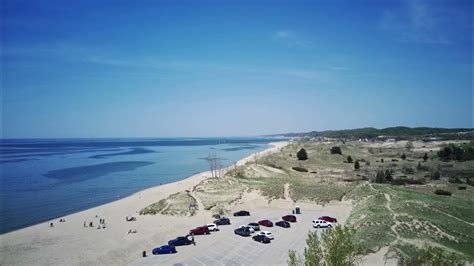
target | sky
[{"x": 232, "y": 68}]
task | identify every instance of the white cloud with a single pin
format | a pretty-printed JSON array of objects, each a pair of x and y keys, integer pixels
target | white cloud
[{"x": 292, "y": 39}]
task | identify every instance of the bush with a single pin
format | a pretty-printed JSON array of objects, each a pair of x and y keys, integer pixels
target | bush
[
  {"x": 455, "y": 180},
  {"x": 415, "y": 181},
  {"x": 421, "y": 167},
  {"x": 403, "y": 156},
  {"x": 435, "y": 175},
  {"x": 349, "y": 159},
  {"x": 408, "y": 170},
  {"x": 302, "y": 155},
  {"x": 469, "y": 182},
  {"x": 462, "y": 187},
  {"x": 300, "y": 169},
  {"x": 336, "y": 150},
  {"x": 425, "y": 157},
  {"x": 356, "y": 165},
  {"x": 442, "y": 192},
  {"x": 429, "y": 256}
]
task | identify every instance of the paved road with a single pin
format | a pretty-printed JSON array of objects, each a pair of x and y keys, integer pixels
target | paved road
[{"x": 226, "y": 248}]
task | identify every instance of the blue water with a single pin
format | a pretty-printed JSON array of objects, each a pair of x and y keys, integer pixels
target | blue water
[{"x": 46, "y": 179}]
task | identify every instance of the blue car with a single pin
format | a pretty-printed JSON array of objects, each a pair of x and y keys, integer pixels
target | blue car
[
  {"x": 180, "y": 241},
  {"x": 164, "y": 250}
]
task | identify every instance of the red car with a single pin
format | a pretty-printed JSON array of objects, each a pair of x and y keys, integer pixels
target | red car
[
  {"x": 201, "y": 230},
  {"x": 289, "y": 218},
  {"x": 266, "y": 223},
  {"x": 328, "y": 219}
]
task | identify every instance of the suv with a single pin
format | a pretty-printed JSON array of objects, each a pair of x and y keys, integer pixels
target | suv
[
  {"x": 212, "y": 227},
  {"x": 222, "y": 221},
  {"x": 242, "y": 231},
  {"x": 242, "y": 213},
  {"x": 201, "y": 230},
  {"x": 179, "y": 241},
  {"x": 328, "y": 219},
  {"x": 255, "y": 226},
  {"x": 289, "y": 218},
  {"x": 266, "y": 223},
  {"x": 321, "y": 224}
]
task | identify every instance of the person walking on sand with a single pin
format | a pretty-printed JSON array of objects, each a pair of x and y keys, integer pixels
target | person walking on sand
[
  {"x": 85, "y": 225},
  {"x": 192, "y": 239},
  {"x": 51, "y": 224},
  {"x": 91, "y": 224}
]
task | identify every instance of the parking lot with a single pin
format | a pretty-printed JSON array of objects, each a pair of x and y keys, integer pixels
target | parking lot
[{"x": 226, "y": 248}]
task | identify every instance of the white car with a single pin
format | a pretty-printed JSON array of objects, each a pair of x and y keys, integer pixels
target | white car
[
  {"x": 267, "y": 234},
  {"x": 321, "y": 224},
  {"x": 212, "y": 227},
  {"x": 249, "y": 227}
]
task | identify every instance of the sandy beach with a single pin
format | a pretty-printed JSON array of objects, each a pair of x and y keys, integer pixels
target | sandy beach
[{"x": 71, "y": 243}]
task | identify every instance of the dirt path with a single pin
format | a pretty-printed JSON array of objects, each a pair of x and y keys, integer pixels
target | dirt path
[{"x": 287, "y": 191}]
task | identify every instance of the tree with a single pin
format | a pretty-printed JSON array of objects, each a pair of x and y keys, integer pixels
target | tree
[
  {"x": 403, "y": 156},
  {"x": 425, "y": 157},
  {"x": 356, "y": 165},
  {"x": 336, "y": 150},
  {"x": 388, "y": 175},
  {"x": 215, "y": 165},
  {"x": 349, "y": 159},
  {"x": 313, "y": 253},
  {"x": 409, "y": 146},
  {"x": 335, "y": 247},
  {"x": 302, "y": 155},
  {"x": 339, "y": 246}
]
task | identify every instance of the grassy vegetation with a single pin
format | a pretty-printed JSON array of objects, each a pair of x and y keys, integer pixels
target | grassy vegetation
[{"x": 181, "y": 203}]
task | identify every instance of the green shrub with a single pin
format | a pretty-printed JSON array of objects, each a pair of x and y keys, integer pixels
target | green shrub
[
  {"x": 435, "y": 175},
  {"x": 302, "y": 155},
  {"x": 336, "y": 150}
]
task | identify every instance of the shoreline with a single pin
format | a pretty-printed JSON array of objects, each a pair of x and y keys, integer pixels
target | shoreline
[{"x": 114, "y": 214}]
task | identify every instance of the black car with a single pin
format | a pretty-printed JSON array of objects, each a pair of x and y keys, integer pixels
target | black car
[
  {"x": 242, "y": 231},
  {"x": 283, "y": 224},
  {"x": 242, "y": 213},
  {"x": 222, "y": 221},
  {"x": 261, "y": 239},
  {"x": 180, "y": 241}
]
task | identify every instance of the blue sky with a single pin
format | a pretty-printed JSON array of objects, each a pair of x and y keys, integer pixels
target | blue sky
[{"x": 232, "y": 68}]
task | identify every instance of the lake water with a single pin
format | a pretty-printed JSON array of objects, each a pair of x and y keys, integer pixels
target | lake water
[{"x": 46, "y": 179}]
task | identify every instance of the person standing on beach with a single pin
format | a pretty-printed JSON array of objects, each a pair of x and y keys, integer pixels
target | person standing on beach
[
  {"x": 51, "y": 224},
  {"x": 85, "y": 225}
]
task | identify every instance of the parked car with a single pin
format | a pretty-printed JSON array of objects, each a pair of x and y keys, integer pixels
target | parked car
[
  {"x": 212, "y": 227},
  {"x": 289, "y": 218},
  {"x": 321, "y": 224},
  {"x": 328, "y": 219},
  {"x": 242, "y": 213},
  {"x": 166, "y": 249},
  {"x": 255, "y": 226},
  {"x": 201, "y": 230},
  {"x": 267, "y": 234},
  {"x": 180, "y": 241},
  {"x": 249, "y": 228},
  {"x": 283, "y": 224},
  {"x": 242, "y": 231},
  {"x": 261, "y": 239},
  {"x": 266, "y": 223},
  {"x": 222, "y": 221}
]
